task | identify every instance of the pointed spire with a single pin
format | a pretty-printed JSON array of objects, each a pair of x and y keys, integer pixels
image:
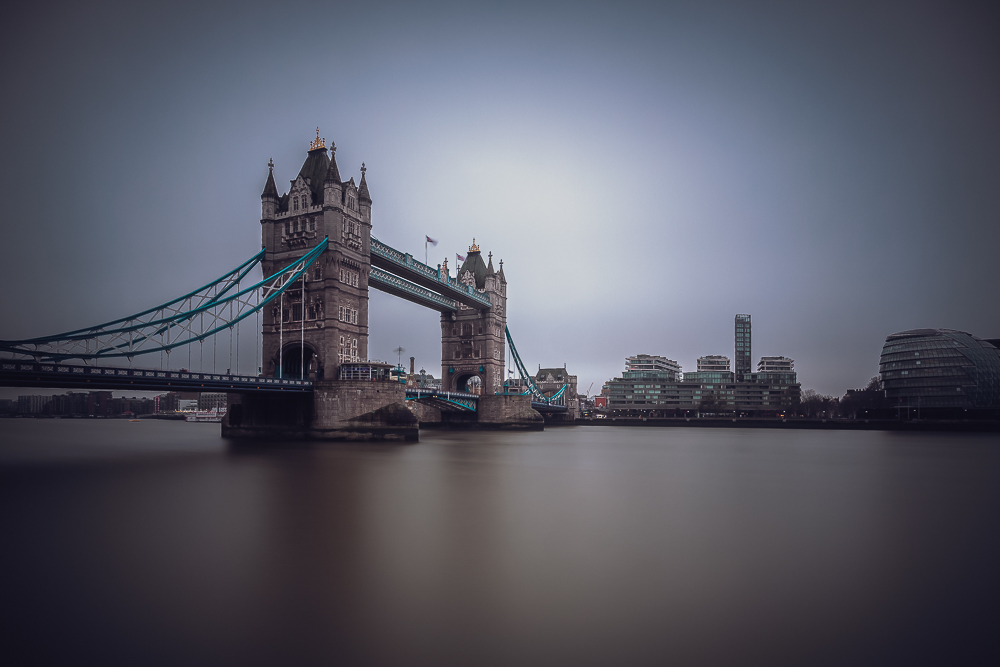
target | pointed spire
[
  {"x": 502, "y": 278},
  {"x": 332, "y": 173},
  {"x": 363, "y": 186},
  {"x": 489, "y": 267},
  {"x": 270, "y": 189}
]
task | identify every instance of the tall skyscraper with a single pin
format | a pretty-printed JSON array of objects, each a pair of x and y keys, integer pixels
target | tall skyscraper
[{"x": 743, "y": 365}]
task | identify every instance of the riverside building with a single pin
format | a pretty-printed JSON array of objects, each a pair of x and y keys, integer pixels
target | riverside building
[
  {"x": 775, "y": 365},
  {"x": 651, "y": 363},
  {"x": 659, "y": 394},
  {"x": 941, "y": 373},
  {"x": 653, "y": 385}
]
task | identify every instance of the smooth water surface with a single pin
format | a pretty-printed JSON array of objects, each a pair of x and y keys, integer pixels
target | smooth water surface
[{"x": 160, "y": 543}]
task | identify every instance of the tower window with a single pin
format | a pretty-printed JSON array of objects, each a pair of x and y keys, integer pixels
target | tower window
[{"x": 295, "y": 203}]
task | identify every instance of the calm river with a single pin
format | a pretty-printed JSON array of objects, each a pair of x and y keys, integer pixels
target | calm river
[{"x": 156, "y": 542}]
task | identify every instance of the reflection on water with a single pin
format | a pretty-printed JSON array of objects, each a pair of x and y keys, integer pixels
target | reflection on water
[{"x": 160, "y": 543}]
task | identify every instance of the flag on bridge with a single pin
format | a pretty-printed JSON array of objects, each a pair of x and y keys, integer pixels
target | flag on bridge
[
  {"x": 430, "y": 240},
  {"x": 459, "y": 258}
]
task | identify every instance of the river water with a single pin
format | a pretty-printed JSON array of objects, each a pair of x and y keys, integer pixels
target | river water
[{"x": 160, "y": 543}]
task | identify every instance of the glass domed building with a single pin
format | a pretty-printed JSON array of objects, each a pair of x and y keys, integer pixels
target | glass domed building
[{"x": 942, "y": 370}]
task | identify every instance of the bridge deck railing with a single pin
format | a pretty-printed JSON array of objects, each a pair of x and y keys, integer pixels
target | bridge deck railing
[
  {"x": 379, "y": 278},
  {"x": 52, "y": 374}
]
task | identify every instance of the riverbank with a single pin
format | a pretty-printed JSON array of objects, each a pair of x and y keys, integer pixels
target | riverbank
[{"x": 794, "y": 423}]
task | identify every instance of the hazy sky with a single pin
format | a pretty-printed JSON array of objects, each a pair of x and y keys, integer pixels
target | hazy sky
[{"x": 645, "y": 171}]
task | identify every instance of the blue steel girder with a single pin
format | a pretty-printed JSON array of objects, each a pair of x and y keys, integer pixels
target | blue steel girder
[
  {"x": 403, "y": 265},
  {"x": 392, "y": 284},
  {"x": 537, "y": 395},
  {"x": 15, "y": 373},
  {"x": 447, "y": 400}
]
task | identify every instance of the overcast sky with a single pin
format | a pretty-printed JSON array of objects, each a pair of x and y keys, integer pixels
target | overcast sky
[{"x": 645, "y": 171}]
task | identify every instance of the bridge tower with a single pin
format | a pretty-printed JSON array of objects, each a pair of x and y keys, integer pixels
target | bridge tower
[
  {"x": 329, "y": 310},
  {"x": 472, "y": 340},
  {"x": 321, "y": 323}
]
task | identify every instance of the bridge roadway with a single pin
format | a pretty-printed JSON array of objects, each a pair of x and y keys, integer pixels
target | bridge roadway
[
  {"x": 462, "y": 402},
  {"x": 405, "y": 277},
  {"x": 68, "y": 376},
  {"x": 65, "y": 376}
]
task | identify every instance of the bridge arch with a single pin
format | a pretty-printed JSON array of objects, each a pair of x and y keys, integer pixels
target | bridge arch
[
  {"x": 292, "y": 357},
  {"x": 470, "y": 383}
]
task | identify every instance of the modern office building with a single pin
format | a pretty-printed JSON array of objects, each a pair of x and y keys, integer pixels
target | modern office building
[
  {"x": 742, "y": 363},
  {"x": 713, "y": 362},
  {"x": 651, "y": 363},
  {"x": 940, "y": 371},
  {"x": 653, "y": 385},
  {"x": 661, "y": 393},
  {"x": 775, "y": 365}
]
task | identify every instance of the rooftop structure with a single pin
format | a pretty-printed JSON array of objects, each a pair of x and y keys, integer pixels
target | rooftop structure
[
  {"x": 713, "y": 362},
  {"x": 775, "y": 365},
  {"x": 651, "y": 363}
]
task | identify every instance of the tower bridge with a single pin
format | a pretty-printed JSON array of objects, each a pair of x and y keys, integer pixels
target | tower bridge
[{"x": 309, "y": 317}]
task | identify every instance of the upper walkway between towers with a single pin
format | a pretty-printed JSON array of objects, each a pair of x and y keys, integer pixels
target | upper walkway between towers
[{"x": 416, "y": 275}]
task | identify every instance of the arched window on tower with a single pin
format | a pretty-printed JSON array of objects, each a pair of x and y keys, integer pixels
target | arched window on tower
[{"x": 295, "y": 203}]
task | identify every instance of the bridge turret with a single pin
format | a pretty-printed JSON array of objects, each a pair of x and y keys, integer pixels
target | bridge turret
[
  {"x": 364, "y": 199},
  {"x": 269, "y": 197},
  {"x": 333, "y": 191},
  {"x": 269, "y": 204}
]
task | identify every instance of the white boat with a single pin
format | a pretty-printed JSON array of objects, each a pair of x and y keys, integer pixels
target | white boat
[{"x": 212, "y": 415}]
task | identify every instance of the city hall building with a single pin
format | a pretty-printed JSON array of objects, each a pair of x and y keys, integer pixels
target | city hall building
[{"x": 940, "y": 373}]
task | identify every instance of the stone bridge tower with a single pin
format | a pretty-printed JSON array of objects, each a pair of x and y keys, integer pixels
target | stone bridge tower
[
  {"x": 472, "y": 340},
  {"x": 329, "y": 310}
]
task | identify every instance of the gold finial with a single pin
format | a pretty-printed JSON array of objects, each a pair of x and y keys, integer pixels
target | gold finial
[
  {"x": 319, "y": 143},
  {"x": 473, "y": 247}
]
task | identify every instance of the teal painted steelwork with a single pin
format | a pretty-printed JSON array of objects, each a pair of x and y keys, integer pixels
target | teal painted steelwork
[
  {"x": 30, "y": 374},
  {"x": 111, "y": 341},
  {"x": 445, "y": 399},
  {"x": 394, "y": 260},
  {"x": 387, "y": 282},
  {"x": 537, "y": 394}
]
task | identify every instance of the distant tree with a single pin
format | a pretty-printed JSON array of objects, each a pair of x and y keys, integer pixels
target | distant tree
[
  {"x": 814, "y": 404},
  {"x": 710, "y": 404}
]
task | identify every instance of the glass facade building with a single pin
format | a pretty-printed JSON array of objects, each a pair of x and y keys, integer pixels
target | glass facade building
[
  {"x": 713, "y": 362},
  {"x": 651, "y": 363},
  {"x": 742, "y": 364},
  {"x": 940, "y": 368},
  {"x": 712, "y": 392}
]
